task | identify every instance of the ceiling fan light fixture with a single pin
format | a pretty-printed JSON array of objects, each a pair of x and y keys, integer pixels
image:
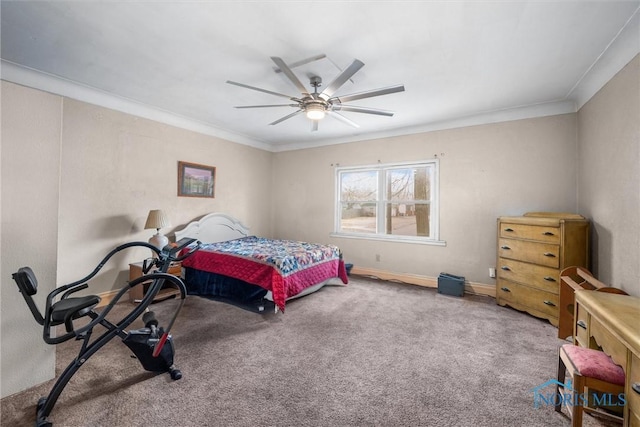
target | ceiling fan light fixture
[
  {"x": 316, "y": 106},
  {"x": 315, "y": 111}
]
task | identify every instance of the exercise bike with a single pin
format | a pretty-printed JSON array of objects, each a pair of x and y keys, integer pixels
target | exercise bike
[{"x": 151, "y": 345}]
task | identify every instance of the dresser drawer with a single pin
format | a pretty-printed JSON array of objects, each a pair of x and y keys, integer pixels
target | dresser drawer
[
  {"x": 545, "y": 254},
  {"x": 530, "y": 232},
  {"x": 581, "y": 327},
  {"x": 633, "y": 397},
  {"x": 536, "y": 299},
  {"x": 537, "y": 276}
]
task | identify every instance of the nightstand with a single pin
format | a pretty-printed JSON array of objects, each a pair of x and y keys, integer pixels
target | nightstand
[{"x": 137, "y": 292}]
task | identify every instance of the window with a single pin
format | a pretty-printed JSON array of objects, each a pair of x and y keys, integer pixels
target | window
[{"x": 393, "y": 201}]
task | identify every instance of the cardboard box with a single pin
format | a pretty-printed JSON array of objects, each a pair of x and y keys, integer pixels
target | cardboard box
[{"x": 448, "y": 284}]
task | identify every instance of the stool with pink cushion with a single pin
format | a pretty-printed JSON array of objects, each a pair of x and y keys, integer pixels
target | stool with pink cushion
[{"x": 591, "y": 371}]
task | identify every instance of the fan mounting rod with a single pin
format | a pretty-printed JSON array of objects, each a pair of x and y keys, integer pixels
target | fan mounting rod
[
  {"x": 316, "y": 82},
  {"x": 314, "y": 107}
]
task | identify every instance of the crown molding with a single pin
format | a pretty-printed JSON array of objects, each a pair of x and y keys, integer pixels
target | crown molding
[
  {"x": 29, "y": 77},
  {"x": 518, "y": 113},
  {"x": 620, "y": 51}
]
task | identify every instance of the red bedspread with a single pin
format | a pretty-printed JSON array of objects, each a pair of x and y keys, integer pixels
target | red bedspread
[{"x": 289, "y": 267}]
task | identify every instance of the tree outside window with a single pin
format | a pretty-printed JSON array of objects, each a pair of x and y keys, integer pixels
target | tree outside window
[{"x": 394, "y": 201}]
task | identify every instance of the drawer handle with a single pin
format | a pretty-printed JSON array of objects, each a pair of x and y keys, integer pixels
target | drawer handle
[
  {"x": 508, "y": 230},
  {"x": 549, "y": 254},
  {"x": 549, "y": 279},
  {"x": 505, "y": 268},
  {"x": 636, "y": 387},
  {"x": 548, "y": 233},
  {"x": 547, "y": 302},
  {"x": 581, "y": 324},
  {"x": 504, "y": 288},
  {"x": 505, "y": 247}
]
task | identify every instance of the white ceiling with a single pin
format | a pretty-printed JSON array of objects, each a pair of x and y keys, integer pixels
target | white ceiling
[{"x": 462, "y": 62}]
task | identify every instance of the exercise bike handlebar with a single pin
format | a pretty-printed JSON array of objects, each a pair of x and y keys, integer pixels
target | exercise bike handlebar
[
  {"x": 108, "y": 256},
  {"x": 158, "y": 281},
  {"x": 166, "y": 254},
  {"x": 171, "y": 251},
  {"x": 169, "y": 254},
  {"x": 82, "y": 283},
  {"x": 189, "y": 253},
  {"x": 165, "y": 257}
]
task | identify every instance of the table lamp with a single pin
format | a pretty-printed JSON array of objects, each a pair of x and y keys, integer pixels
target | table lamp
[{"x": 157, "y": 219}]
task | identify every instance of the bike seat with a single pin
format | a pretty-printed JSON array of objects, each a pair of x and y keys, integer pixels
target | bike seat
[{"x": 72, "y": 308}]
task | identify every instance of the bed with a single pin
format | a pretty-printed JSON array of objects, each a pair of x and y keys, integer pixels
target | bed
[{"x": 255, "y": 272}]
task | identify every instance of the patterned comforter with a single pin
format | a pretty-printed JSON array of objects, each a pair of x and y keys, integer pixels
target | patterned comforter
[{"x": 285, "y": 267}]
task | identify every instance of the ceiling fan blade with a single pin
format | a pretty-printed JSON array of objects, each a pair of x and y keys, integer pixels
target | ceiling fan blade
[
  {"x": 366, "y": 110},
  {"x": 266, "y": 106},
  {"x": 337, "y": 66},
  {"x": 369, "y": 93},
  {"x": 304, "y": 61},
  {"x": 263, "y": 90},
  {"x": 288, "y": 116},
  {"x": 287, "y": 71},
  {"x": 342, "y": 78},
  {"x": 343, "y": 119},
  {"x": 314, "y": 125}
]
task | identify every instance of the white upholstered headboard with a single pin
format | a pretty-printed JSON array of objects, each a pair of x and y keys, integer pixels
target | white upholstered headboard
[{"x": 214, "y": 227}]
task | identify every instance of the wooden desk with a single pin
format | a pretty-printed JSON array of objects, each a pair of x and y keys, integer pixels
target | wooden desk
[{"x": 611, "y": 322}]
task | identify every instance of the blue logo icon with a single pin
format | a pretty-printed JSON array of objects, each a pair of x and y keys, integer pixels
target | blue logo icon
[{"x": 571, "y": 397}]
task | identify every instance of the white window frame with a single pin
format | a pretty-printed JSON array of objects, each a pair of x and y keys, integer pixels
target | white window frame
[{"x": 434, "y": 222}]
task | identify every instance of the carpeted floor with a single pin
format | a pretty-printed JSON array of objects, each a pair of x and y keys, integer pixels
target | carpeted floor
[{"x": 372, "y": 353}]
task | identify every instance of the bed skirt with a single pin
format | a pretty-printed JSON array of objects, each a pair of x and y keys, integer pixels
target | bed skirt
[{"x": 227, "y": 289}]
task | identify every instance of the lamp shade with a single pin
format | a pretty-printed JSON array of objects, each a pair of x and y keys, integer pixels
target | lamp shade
[{"x": 157, "y": 219}]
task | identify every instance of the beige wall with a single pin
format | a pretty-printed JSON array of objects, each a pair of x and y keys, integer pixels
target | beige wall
[
  {"x": 78, "y": 180},
  {"x": 31, "y": 130},
  {"x": 116, "y": 167},
  {"x": 609, "y": 177},
  {"x": 485, "y": 172}
]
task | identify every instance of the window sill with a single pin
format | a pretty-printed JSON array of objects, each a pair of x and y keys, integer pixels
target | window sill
[{"x": 395, "y": 239}]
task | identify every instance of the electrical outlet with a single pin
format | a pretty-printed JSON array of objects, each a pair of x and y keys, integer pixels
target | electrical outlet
[
  {"x": 377, "y": 257},
  {"x": 492, "y": 272}
]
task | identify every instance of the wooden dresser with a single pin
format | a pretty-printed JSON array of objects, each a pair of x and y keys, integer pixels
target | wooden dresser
[
  {"x": 532, "y": 250},
  {"x": 611, "y": 323}
]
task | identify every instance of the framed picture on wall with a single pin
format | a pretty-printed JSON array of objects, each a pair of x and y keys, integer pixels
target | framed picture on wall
[{"x": 196, "y": 180}]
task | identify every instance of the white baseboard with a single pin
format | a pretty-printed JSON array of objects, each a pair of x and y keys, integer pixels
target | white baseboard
[{"x": 429, "y": 282}]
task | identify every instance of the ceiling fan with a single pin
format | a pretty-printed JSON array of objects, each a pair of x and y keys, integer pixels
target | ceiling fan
[{"x": 316, "y": 105}]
